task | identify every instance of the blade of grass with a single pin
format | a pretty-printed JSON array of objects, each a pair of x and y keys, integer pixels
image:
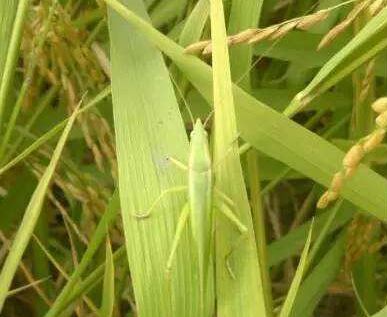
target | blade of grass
[
  {"x": 12, "y": 53},
  {"x": 29, "y": 72},
  {"x": 291, "y": 243},
  {"x": 98, "y": 237},
  {"x": 237, "y": 297},
  {"x": 278, "y": 251},
  {"x": 276, "y": 135},
  {"x": 31, "y": 216},
  {"x": 54, "y": 131},
  {"x": 45, "y": 102},
  {"x": 294, "y": 287},
  {"x": 92, "y": 279},
  {"x": 245, "y": 14},
  {"x": 381, "y": 313},
  {"x": 193, "y": 27},
  {"x": 7, "y": 15},
  {"x": 149, "y": 129},
  {"x": 364, "y": 46},
  {"x": 315, "y": 285},
  {"x": 107, "y": 305}
]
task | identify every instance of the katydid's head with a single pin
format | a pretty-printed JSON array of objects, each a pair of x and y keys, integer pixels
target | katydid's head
[
  {"x": 200, "y": 159},
  {"x": 198, "y": 130}
]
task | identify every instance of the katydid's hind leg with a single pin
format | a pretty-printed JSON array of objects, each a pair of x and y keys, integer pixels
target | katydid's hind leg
[
  {"x": 158, "y": 199},
  {"x": 243, "y": 234},
  {"x": 224, "y": 197},
  {"x": 179, "y": 231},
  {"x": 235, "y": 246},
  {"x": 226, "y": 210}
]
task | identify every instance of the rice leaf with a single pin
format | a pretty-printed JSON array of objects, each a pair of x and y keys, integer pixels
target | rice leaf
[
  {"x": 31, "y": 216},
  {"x": 275, "y": 135},
  {"x": 96, "y": 240},
  {"x": 249, "y": 300},
  {"x": 381, "y": 313},
  {"x": 7, "y": 16},
  {"x": 107, "y": 305},
  {"x": 364, "y": 46},
  {"x": 149, "y": 129},
  {"x": 294, "y": 287},
  {"x": 315, "y": 285},
  {"x": 8, "y": 69}
]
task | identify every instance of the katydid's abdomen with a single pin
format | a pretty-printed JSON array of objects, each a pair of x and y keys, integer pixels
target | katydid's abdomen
[{"x": 200, "y": 198}]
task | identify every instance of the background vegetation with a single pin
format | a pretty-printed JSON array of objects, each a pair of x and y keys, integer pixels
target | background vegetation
[{"x": 94, "y": 98}]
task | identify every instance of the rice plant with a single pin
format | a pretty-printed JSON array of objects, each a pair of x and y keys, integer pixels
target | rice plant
[{"x": 193, "y": 158}]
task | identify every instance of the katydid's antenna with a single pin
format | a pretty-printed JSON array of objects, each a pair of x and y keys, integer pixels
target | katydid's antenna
[
  {"x": 183, "y": 98},
  {"x": 208, "y": 118}
]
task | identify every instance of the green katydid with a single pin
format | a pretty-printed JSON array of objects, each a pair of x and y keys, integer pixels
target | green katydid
[{"x": 202, "y": 199}]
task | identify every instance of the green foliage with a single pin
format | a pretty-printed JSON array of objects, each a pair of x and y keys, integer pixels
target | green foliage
[{"x": 282, "y": 118}]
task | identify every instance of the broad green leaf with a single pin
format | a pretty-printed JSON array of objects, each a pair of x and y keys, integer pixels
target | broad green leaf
[
  {"x": 294, "y": 287},
  {"x": 249, "y": 299},
  {"x": 149, "y": 129},
  {"x": 363, "y": 47},
  {"x": 107, "y": 306},
  {"x": 245, "y": 14},
  {"x": 275, "y": 135},
  {"x": 31, "y": 216}
]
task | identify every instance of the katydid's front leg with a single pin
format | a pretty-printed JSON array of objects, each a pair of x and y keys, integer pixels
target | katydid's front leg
[
  {"x": 179, "y": 231},
  {"x": 178, "y": 163},
  {"x": 158, "y": 199},
  {"x": 165, "y": 192}
]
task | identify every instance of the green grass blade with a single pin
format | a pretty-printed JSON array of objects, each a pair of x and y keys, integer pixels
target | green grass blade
[
  {"x": 245, "y": 14},
  {"x": 364, "y": 46},
  {"x": 96, "y": 240},
  {"x": 7, "y": 16},
  {"x": 381, "y": 313},
  {"x": 54, "y": 131},
  {"x": 149, "y": 129},
  {"x": 166, "y": 11},
  {"x": 275, "y": 135},
  {"x": 92, "y": 279},
  {"x": 193, "y": 27},
  {"x": 294, "y": 287},
  {"x": 315, "y": 285},
  {"x": 12, "y": 52},
  {"x": 107, "y": 306},
  {"x": 291, "y": 243},
  {"x": 249, "y": 300},
  {"x": 31, "y": 216},
  {"x": 28, "y": 76}
]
